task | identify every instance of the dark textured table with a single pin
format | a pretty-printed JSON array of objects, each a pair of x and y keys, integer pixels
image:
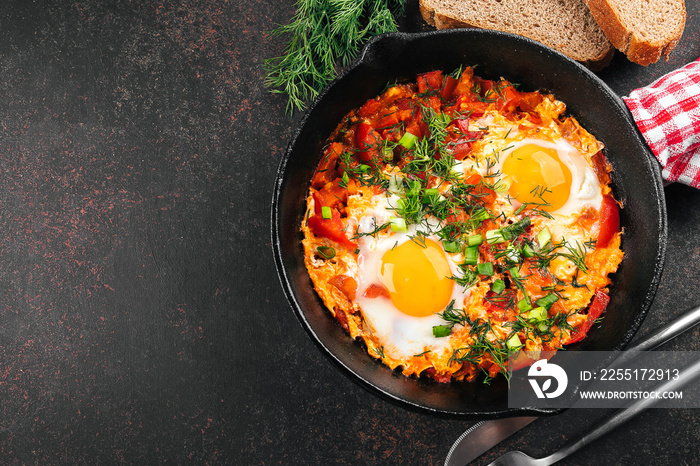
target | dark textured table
[{"x": 141, "y": 319}]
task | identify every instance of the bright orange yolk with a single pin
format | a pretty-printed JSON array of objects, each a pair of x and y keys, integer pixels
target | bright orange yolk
[
  {"x": 537, "y": 174},
  {"x": 417, "y": 278}
]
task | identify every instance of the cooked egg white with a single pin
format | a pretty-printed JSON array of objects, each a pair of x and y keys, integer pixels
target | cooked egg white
[{"x": 413, "y": 269}]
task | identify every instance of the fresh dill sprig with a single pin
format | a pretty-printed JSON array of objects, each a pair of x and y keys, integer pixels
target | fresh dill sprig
[{"x": 323, "y": 36}]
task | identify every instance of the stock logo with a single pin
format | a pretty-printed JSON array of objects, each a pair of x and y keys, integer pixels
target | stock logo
[{"x": 547, "y": 372}]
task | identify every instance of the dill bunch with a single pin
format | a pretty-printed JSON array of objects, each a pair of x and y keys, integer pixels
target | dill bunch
[{"x": 325, "y": 35}]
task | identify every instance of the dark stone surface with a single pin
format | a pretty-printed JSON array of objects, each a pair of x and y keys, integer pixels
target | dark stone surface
[{"x": 141, "y": 320}]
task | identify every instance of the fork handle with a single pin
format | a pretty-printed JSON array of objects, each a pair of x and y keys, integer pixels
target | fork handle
[{"x": 686, "y": 376}]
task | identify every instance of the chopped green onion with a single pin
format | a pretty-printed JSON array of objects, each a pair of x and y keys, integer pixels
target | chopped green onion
[
  {"x": 451, "y": 246},
  {"x": 537, "y": 314},
  {"x": 441, "y": 331},
  {"x": 408, "y": 140},
  {"x": 510, "y": 232},
  {"x": 514, "y": 272},
  {"x": 345, "y": 179},
  {"x": 543, "y": 237},
  {"x": 527, "y": 251},
  {"x": 543, "y": 327},
  {"x": 485, "y": 268},
  {"x": 475, "y": 240},
  {"x": 547, "y": 301},
  {"x": 326, "y": 252},
  {"x": 398, "y": 225},
  {"x": 432, "y": 196},
  {"x": 524, "y": 305},
  {"x": 512, "y": 254},
  {"x": 514, "y": 342},
  {"x": 480, "y": 215},
  {"x": 495, "y": 237},
  {"x": 362, "y": 168},
  {"x": 498, "y": 286},
  {"x": 471, "y": 255},
  {"x": 326, "y": 212}
]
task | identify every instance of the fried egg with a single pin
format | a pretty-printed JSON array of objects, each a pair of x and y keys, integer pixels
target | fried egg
[
  {"x": 554, "y": 172},
  {"x": 403, "y": 282}
]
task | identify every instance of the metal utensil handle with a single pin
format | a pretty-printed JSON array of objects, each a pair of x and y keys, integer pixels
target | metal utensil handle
[
  {"x": 668, "y": 331},
  {"x": 660, "y": 336},
  {"x": 686, "y": 376}
]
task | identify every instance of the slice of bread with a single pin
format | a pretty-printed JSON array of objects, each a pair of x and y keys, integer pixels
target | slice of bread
[
  {"x": 644, "y": 30},
  {"x": 564, "y": 25}
]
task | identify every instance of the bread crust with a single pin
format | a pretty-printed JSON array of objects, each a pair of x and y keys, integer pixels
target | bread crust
[
  {"x": 639, "y": 49},
  {"x": 443, "y": 21}
]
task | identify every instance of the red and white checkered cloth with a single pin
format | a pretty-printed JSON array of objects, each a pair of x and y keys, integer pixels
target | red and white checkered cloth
[{"x": 668, "y": 114}]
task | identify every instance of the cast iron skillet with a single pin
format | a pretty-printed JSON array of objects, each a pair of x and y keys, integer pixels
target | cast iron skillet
[{"x": 636, "y": 182}]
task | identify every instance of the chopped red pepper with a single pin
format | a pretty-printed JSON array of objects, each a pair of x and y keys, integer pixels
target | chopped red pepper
[
  {"x": 462, "y": 146},
  {"x": 431, "y": 80},
  {"x": 596, "y": 309},
  {"x": 331, "y": 228},
  {"x": 609, "y": 221},
  {"x": 331, "y": 195},
  {"x": 449, "y": 88},
  {"x": 326, "y": 170},
  {"x": 366, "y": 139},
  {"x": 369, "y": 108},
  {"x": 508, "y": 98},
  {"x": 414, "y": 128},
  {"x": 390, "y": 119}
]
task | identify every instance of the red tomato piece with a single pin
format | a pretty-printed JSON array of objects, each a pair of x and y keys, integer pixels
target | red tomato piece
[
  {"x": 462, "y": 125},
  {"x": 609, "y": 221},
  {"x": 600, "y": 302},
  {"x": 414, "y": 128},
  {"x": 369, "y": 108},
  {"x": 461, "y": 148},
  {"x": 475, "y": 108},
  {"x": 331, "y": 195},
  {"x": 375, "y": 291},
  {"x": 431, "y": 80},
  {"x": 465, "y": 82},
  {"x": 508, "y": 97},
  {"x": 388, "y": 120},
  {"x": 326, "y": 170},
  {"x": 529, "y": 101},
  {"x": 331, "y": 228},
  {"x": 449, "y": 88},
  {"x": 365, "y": 140}
]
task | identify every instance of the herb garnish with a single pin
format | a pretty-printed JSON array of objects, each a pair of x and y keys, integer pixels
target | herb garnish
[{"x": 324, "y": 35}]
